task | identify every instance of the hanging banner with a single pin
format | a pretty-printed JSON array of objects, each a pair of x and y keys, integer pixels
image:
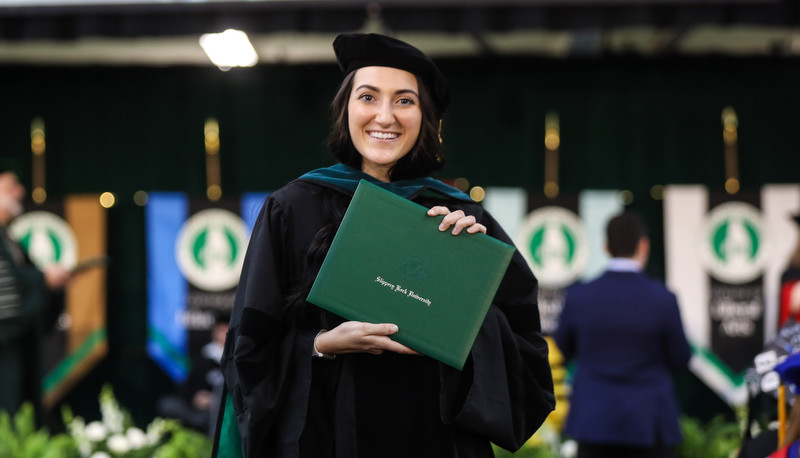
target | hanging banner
[
  {"x": 563, "y": 240},
  {"x": 70, "y": 234},
  {"x": 722, "y": 262},
  {"x": 195, "y": 251},
  {"x": 733, "y": 250},
  {"x": 554, "y": 241}
]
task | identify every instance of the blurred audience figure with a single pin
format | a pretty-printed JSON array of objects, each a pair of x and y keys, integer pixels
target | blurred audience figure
[
  {"x": 790, "y": 284},
  {"x": 789, "y": 371},
  {"x": 197, "y": 400},
  {"x": 27, "y": 307}
]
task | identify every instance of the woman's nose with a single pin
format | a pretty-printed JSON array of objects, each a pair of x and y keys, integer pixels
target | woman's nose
[{"x": 385, "y": 114}]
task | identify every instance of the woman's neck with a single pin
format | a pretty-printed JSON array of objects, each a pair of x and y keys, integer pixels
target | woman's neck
[{"x": 381, "y": 174}]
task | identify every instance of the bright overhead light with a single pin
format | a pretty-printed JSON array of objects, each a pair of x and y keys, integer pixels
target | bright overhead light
[{"x": 230, "y": 48}]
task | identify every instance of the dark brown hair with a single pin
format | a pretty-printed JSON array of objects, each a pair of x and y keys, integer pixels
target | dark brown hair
[
  {"x": 425, "y": 156},
  {"x": 623, "y": 234}
]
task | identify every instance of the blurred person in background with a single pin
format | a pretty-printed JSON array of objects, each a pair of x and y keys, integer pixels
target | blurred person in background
[
  {"x": 790, "y": 283},
  {"x": 28, "y": 307},
  {"x": 789, "y": 372},
  {"x": 197, "y": 399},
  {"x": 625, "y": 334}
]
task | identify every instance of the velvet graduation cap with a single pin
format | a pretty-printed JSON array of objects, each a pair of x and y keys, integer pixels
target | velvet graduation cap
[{"x": 357, "y": 50}]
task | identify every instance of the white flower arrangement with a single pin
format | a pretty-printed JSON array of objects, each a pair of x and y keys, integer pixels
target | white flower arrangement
[{"x": 115, "y": 436}]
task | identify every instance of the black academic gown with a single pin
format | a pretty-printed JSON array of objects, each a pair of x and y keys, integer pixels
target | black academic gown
[
  {"x": 289, "y": 404},
  {"x": 21, "y": 333}
]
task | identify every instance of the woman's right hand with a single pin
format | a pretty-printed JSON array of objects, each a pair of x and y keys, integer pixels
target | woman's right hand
[{"x": 360, "y": 337}]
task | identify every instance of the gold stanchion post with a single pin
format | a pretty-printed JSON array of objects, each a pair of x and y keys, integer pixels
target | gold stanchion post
[
  {"x": 552, "y": 139},
  {"x": 730, "y": 135},
  {"x": 213, "y": 180},
  {"x": 38, "y": 192},
  {"x": 781, "y": 413}
]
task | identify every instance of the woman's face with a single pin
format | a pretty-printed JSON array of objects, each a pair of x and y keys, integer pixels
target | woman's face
[{"x": 384, "y": 117}]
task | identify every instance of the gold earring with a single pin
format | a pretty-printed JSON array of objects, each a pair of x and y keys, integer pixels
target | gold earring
[{"x": 440, "y": 131}]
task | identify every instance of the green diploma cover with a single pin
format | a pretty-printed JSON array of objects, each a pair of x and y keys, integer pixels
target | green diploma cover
[{"x": 389, "y": 263}]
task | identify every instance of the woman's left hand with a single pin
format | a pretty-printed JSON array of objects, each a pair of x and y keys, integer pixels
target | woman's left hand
[{"x": 458, "y": 220}]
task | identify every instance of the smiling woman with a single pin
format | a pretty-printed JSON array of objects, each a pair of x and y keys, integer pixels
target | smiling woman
[
  {"x": 385, "y": 117},
  {"x": 432, "y": 99},
  {"x": 305, "y": 382}
]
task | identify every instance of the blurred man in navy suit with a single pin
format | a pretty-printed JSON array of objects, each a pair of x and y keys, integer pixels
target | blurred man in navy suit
[{"x": 625, "y": 334}]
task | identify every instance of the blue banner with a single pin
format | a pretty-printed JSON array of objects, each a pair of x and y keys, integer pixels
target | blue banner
[{"x": 195, "y": 249}]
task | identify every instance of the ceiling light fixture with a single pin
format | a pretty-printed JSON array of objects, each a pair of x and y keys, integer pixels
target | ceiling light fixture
[{"x": 230, "y": 48}]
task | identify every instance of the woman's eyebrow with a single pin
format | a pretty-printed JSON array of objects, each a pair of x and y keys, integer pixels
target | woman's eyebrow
[
  {"x": 368, "y": 87},
  {"x": 406, "y": 91},
  {"x": 375, "y": 89}
]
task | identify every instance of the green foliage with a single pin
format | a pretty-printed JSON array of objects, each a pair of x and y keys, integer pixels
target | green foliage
[
  {"x": 116, "y": 435},
  {"x": 185, "y": 443},
  {"x": 716, "y": 439},
  {"x": 21, "y": 439}
]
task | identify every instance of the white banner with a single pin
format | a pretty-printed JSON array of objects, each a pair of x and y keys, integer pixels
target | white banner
[{"x": 724, "y": 264}]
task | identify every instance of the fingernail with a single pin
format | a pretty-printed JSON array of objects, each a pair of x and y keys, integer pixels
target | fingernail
[{"x": 394, "y": 328}]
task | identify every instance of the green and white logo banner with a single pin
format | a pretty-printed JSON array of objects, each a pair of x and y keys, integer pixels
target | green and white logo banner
[
  {"x": 47, "y": 239},
  {"x": 195, "y": 251},
  {"x": 64, "y": 234},
  {"x": 723, "y": 262},
  {"x": 562, "y": 239}
]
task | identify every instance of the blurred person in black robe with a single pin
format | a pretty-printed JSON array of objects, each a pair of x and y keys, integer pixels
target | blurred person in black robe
[
  {"x": 28, "y": 309},
  {"x": 301, "y": 391}
]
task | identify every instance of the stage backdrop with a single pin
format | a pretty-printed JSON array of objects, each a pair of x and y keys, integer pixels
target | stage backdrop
[
  {"x": 626, "y": 122},
  {"x": 195, "y": 251},
  {"x": 724, "y": 257},
  {"x": 563, "y": 241},
  {"x": 65, "y": 233}
]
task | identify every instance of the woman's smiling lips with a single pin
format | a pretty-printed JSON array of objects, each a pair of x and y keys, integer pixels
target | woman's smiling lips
[{"x": 383, "y": 135}]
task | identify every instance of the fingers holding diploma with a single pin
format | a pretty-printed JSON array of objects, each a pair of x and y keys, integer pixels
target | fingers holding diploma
[
  {"x": 360, "y": 337},
  {"x": 457, "y": 220}
]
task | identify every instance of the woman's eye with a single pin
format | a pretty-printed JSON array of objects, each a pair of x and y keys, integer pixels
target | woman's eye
[
  {"x": 366, "y": 98},
  {"x": 406, "y": 101}
]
